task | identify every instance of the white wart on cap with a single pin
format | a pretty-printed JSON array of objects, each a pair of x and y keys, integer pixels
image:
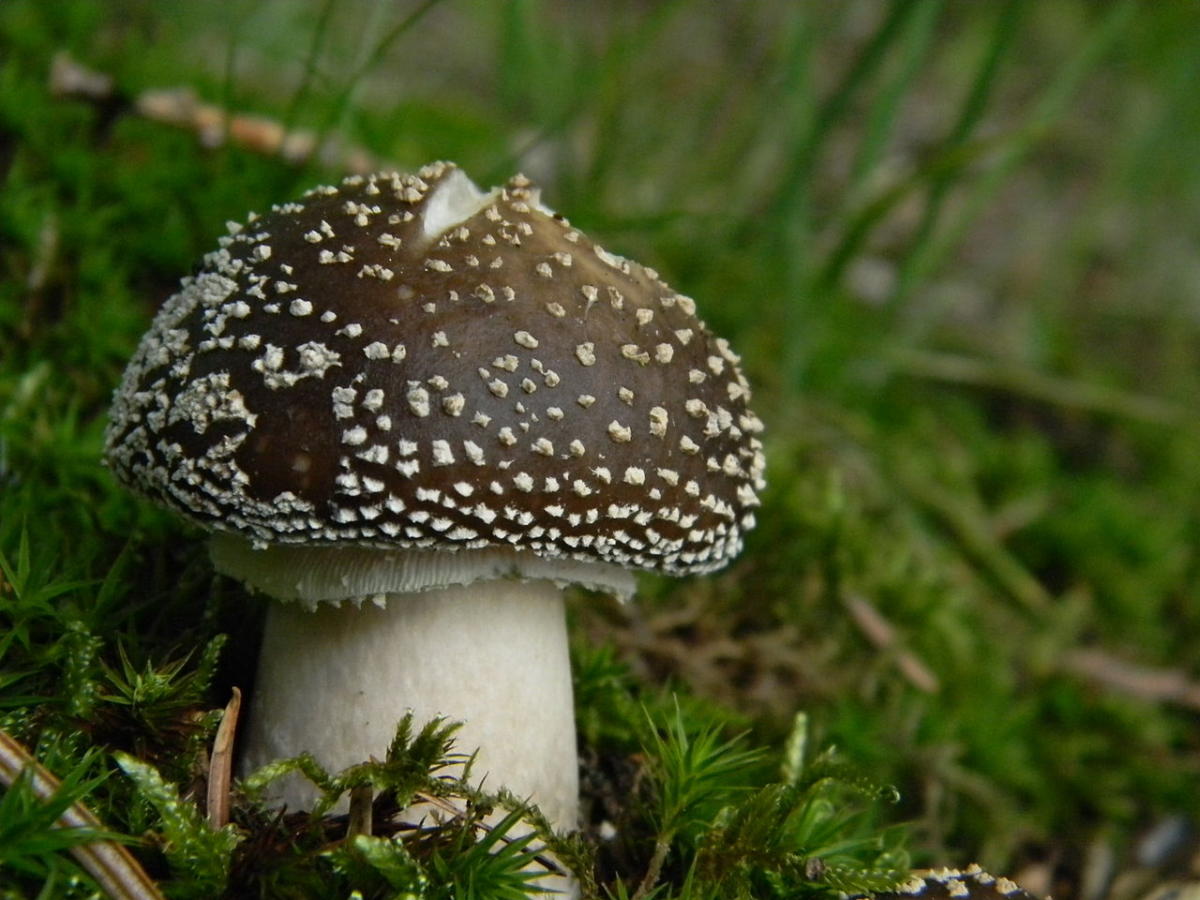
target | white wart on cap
[{"x": 404, "y": 361}]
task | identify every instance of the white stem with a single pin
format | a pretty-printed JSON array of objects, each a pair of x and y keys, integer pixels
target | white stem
[{"x": 493, "y": 655}]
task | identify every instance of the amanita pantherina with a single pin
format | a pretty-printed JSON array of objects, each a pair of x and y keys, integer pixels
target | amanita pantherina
[
  {"x": 971, "y": 883},
  {"x": 451, "y": 403}
]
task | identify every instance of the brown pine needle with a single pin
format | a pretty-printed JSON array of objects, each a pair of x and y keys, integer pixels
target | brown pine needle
[
  {"x": 1155, "y": 685},
  {"x": 114, "y": 868},
  {"x": 882, "y": 634},
  {"x": 213, "y": 125},
  {"x": 220, "y": 766}
]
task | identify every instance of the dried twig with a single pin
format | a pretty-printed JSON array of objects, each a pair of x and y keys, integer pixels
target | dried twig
[
  {"x": 1153, "y": 684},
  {"x": 70, "y": 79},
  {"x": 882, "y": 634},
  {"x": 220, "y": 766},
  {"x": 212, "y": 124},
  {"x": 360, "y": 811},
  {"x": 113, "y": 867}
]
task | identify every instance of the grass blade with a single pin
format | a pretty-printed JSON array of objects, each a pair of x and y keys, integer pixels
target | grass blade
[
  {"x": 342, "y": 101},
  {"x": 1007, "y": 21},
  {"x": 924, "y": 259},
  {"x": 915, "y": 42}
]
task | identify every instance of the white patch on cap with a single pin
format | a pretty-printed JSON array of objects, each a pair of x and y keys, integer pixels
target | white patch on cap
[{"x": 442, "y": 456}]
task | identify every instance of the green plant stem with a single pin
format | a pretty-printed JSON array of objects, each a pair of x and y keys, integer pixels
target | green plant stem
[
  {"x": 914, "y": 43},
  {"x": 834, "y": 109},
  {"x": 1063, "y": 392},
  {"x": 316, "y": 44},
  {"x": 342, "y": 102},
  {"x": 662, "y": 846},
  {"x": 113, "y": 867},
  {"x": 967, "y": 527}
]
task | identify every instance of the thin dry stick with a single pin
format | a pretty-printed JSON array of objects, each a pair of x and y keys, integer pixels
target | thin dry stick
[
  {"x": 212, "y": 124},
  {"x": 70, "y": 79},
  {"x": 220, "y": 766},
  {"x": 882, "y": 634},
  {"x": 116, "y": 871},
  {"x": 1144, "y": 682},
  {"x": 360, "y": 819}
]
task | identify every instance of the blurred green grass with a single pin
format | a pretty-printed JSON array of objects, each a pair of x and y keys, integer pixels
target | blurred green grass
[{"x": 956, "y": 245}]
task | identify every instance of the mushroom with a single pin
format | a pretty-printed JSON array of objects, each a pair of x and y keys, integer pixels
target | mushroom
[
  {"x": 451, "y": 404},
  {"x": 971, "y": 883}
]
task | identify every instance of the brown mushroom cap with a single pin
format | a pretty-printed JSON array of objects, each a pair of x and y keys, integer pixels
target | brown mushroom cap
[
  {"x": 971, "y": 883},
  {"x": 335, "y": 374}
]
